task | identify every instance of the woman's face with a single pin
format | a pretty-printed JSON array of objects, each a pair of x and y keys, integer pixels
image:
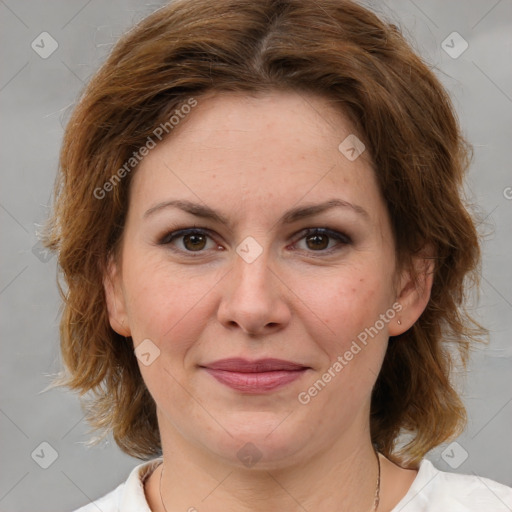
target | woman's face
[{"x": 288, "y": 255}]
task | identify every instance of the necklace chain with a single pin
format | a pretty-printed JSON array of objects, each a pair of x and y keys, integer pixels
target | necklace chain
[{"x": 376, "y": 500}]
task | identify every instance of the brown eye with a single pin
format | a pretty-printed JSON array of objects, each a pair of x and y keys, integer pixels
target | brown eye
[
  {"x": 323, "y": 240},
  {"x": 194, "y": 242},
  {"x": 317, "y": 241},
  {"x": 188, "y": 241}
]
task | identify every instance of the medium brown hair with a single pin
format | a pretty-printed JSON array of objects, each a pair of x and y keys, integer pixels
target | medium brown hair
[{"x": 333, "y": 48}]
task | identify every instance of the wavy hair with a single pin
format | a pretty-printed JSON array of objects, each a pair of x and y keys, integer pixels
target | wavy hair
[{"x": 365, "y": 67}]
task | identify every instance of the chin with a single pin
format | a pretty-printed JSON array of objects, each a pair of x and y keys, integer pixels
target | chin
[{"x": 260, "y": 440}]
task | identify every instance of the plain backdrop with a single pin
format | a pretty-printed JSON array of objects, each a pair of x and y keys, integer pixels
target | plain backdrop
[{"x": 36, "y": 95}]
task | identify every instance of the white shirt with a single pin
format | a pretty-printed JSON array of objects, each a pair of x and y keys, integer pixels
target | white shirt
[{"x": 431, "y": 491}]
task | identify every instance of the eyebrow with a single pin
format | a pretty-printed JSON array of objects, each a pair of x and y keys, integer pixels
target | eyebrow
[{"x": 289, "y": 217}]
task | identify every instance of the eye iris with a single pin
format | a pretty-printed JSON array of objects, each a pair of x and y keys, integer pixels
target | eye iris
[
  {"x": 319, "y": 241},
  {"x": 197, "y": 241}
]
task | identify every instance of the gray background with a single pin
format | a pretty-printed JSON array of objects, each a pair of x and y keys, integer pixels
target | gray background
[{"x": 36, "y": 96}]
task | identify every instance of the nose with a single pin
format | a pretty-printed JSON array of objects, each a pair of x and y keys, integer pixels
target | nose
[{"x": 254, "y": 298}]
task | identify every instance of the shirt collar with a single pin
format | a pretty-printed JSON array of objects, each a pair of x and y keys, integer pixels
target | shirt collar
[{"x": 133, "y": 498}]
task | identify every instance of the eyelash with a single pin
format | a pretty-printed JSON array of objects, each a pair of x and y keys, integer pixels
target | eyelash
[{"x": 342, "y": 239}]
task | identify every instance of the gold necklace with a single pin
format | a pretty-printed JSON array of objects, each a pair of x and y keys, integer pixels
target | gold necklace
[{"x": 376, "y": 500}]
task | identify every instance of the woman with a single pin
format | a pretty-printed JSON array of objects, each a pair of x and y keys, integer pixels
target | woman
[{"x": 259, "y": 221}]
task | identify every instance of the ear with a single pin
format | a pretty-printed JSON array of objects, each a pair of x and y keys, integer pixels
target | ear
[
  {"x": 413, "y": 291},
  {"x": 112, "y": 284}
]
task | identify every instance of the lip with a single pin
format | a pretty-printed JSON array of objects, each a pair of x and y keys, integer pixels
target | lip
[{"x": 260, "y": 376}]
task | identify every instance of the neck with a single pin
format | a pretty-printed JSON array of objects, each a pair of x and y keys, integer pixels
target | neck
[{"x": 339, "y": 479}]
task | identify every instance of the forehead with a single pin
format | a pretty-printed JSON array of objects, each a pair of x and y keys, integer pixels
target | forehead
[
  {"x": 305, "y": 124},
  {"x": 240, "y": 152}
]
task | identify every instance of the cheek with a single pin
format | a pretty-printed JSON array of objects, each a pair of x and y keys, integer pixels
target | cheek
[
  {"x": 165, "y": 303},
  {"x": 354, "y": 348},
  {"x": 349, "y": 304}
]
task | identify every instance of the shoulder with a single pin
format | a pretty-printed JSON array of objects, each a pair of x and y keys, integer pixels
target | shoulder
[
  {"x": 435, "y": 490},
  {"x": 128, "y": 496}
]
